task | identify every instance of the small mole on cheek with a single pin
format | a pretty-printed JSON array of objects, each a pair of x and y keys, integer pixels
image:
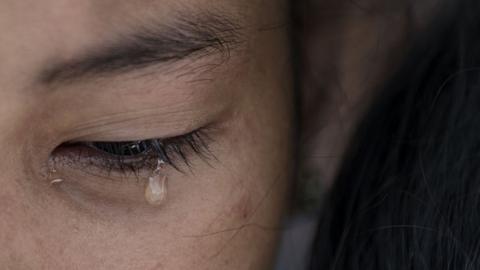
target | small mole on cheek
[
  {"x": 158, "y": 266},
  {"x": 243, "y": 207},
  {"x": 227, "y": 262}
]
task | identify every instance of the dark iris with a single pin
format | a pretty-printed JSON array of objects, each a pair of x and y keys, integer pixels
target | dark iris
[{"x": 122, "y": 148}]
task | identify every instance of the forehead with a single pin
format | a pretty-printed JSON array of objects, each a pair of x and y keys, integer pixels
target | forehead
[
  {"x": 78, "y": 20},
  {"x": 71, "y": 10},
  {"x": 39, "y": 31},
  {"x": 94, "y": 15}
]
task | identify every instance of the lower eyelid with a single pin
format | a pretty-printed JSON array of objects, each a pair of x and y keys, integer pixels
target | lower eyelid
[
  {"x": 81, "y": 158},
  {"x": 86, "y": 188}
]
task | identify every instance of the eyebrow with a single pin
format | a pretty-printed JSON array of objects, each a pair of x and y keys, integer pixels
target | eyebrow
[{"x": 190, "y": 37}]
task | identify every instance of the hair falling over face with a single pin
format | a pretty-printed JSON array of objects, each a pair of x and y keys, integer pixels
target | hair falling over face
[{"x": 407, "y": 195}]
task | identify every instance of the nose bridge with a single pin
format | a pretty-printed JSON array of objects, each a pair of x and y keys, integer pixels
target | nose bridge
[
  {"x": 27, "y": 213},
  {"x": 21, "y": 246},
  {"x": 23, "y": 216},
  {"x": 14, "y": 216},
  {"x": 17, "y": 207}
]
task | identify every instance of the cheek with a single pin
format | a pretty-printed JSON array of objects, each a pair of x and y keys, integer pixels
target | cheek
[
  {"x": 228, "y": 213},
  {"x": 243, "y": 208},
  {"x": 21, "y": 224}
]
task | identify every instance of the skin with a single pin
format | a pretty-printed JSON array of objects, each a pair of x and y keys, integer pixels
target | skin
[{"x": 220, "y": 214}]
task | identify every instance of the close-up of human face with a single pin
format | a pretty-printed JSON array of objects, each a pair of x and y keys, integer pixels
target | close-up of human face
[{"x": 143, "y": 134}]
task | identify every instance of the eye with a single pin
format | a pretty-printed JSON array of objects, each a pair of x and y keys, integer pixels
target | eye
[
  {"x": 129, "y": 157},
  {"x": 122, "y": 148}
]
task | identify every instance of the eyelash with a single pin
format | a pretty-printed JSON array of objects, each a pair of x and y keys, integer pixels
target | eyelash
[{"x": 135, "y": 156}]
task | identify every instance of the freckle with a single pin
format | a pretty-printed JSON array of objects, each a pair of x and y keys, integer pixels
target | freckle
[
  {"x": 158, "y": 266},
  {"x": 75, "y": 229},
  {"x": 243, "y": 207}
]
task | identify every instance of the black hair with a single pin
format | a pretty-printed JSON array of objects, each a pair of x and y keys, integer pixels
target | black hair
[{"x": 408, "y": 193}]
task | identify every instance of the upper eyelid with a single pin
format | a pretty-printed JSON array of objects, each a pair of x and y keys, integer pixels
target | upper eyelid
[
  {"x": 112, "y": 126},
  {"x": 148, "y": 116}
]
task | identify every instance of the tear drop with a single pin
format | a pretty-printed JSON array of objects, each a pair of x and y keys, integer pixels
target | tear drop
[
  {"x": 56, "y": 181},
  {"x": 156, "y": 190},
  {"x": 52, "y": 177}
]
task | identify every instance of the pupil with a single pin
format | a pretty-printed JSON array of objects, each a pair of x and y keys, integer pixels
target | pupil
[{"x": 122, "y": 148}]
